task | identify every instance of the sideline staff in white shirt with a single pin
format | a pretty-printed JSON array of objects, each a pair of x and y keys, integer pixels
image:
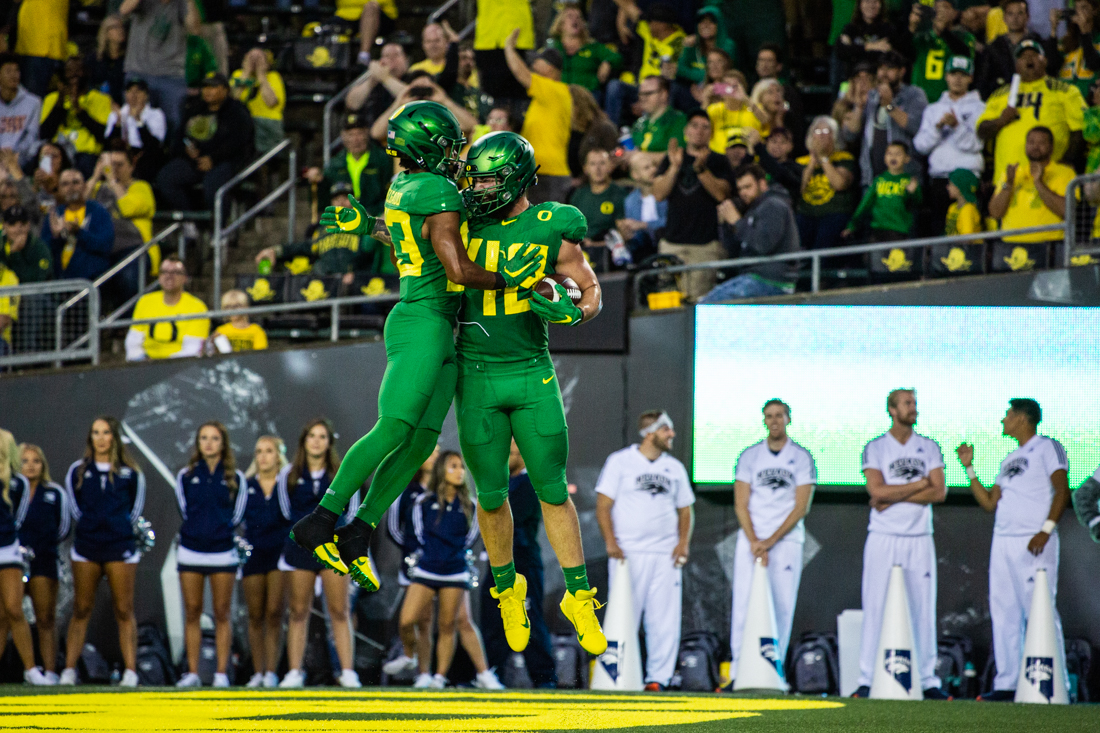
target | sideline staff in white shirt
[
  {"x": 1031, "y": 492},
  {"x": 644, "y": 508},
  {"x": 772, "y": 489},
  {"x": 904, "y": 473}
]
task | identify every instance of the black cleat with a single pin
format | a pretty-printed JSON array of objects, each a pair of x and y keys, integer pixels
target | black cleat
[
  {"x": 353, "y": 543},
  {"x": 862, "y": 691},
  {"x": 998, "y": 696},
  {"x": 316, "y": 532},
  {"x": 936, "y": 693}
]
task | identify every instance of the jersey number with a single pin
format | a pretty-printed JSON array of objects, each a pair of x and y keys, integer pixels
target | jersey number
[
  {"x": 1030, "y": 99},
  {"x": 512, "y": 303},
  {"x": 933, "y": 66},
  {"x": 405, "y": 249}
]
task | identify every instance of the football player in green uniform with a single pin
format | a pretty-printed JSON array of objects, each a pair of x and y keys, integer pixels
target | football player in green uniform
[
  {"x": 506, "y": 382},
  {"x": 424, "y": 219}
]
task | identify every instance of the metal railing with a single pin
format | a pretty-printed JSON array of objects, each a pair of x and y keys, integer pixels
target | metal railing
[
  {"x": 1082, "y": 197},
  {"x": 328, "y": 144},
  {"x": 815, "y": 255},
  {"x": 36, "y": 318},
  {"x": 333, "y": 305},
  {"x": 441, "y": 11},
  {"x": 286, "y": 187},
  {"x": 94, "y": 286}
]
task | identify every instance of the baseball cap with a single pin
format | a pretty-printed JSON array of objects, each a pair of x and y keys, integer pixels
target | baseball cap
[
  {"x": 551, "y": 56},
  {"x": 340, "y": 188},
  {"x": 139, "y": 83},
  {"x": 960, "y": 65},
  {"x": 354, "y": 120},
  {"x": 966, "y": 182},
  {"x": 1026, "y": 44},
  {"x": 736, "y": 138},
  {"x": 215, "y": 79}
]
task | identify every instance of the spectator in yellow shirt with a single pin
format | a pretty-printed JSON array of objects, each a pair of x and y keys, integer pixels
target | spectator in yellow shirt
[
  {"x": 168, "y": 339},
  {"x": 9, "y": 308},
  {"x": 261, "y": 89},
  {"x": 376, "y": 20},
  {"x": 495, "y": 20},
  {"x": 76, "y": 116},
  {"x": 42, "y": 35},
  {"x": 433, "y": 39},
  {"x": 132, "y": 206},
  {"x": 549, "y": 119},
  {"x": 1033, "y": 195},
  {"x": 238, "y": 334},
  {"x": 662, "y": 41},
  {"x": 733, "y": 111}
]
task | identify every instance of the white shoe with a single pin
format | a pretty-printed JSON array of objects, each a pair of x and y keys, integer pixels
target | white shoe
[
  {"x": 271, "y": 679},
  {"x": 35, "y": 676},
  {"x": 438, "y": 682},
  {"x": 401, "y": 667},
  {"x": 349, "y": 678},
  {"x": 129, "y": 679},
  {"x": 256, "y": 680},
  {"x": 189, "y": 680},
  {"x": 68, "y": 676},
  {"x": 53, "y": 678},
  {"x": 423, "y": 681},
  {"x": 293, "y": 678},
  {"x": 487, "y": 680},
  {"x": 221, "y": 679}
]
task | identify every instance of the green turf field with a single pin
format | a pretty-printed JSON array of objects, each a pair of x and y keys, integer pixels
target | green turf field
[{"x": 329, "y": 709}]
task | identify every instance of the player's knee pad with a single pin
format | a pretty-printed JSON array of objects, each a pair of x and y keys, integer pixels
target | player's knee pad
[
  {"x": 555, "y": 493},
  {"x": 492, "y": 499}
]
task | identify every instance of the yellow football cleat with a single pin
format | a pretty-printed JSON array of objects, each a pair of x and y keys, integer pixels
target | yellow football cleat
[
  {"x": 513, "y": 611},
  {"x": 580, "y": 609},
  {"x": 363, "y": 574},
  {"x": 315, "y": 534},
  {"x": 329, "y": 556}
]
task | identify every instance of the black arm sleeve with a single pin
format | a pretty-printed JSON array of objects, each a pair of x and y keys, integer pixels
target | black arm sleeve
[
  {"x": 779, "y": 173},
  {"x": 956, "y": 44},
  {"x": 97, "y": 129},
  {"x": 449, "y": 76},
  {"x": 49, "y": 127}
]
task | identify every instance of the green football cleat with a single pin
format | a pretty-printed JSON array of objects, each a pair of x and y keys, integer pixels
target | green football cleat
[
  {"x": 513, "y": 611},
  {"x": 580, "y": 609}
]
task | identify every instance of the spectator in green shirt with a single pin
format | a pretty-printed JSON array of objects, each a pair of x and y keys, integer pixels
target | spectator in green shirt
[
  {"x": 363, "y": 164},
  {"x": 934, "y": 42},
  {"x": 23, "y": 252},
  {"x": 600, "y": 200},
  {"x": 200, "y": 61},
  {"x": 585, "y": 62},
  {"x": 659, "y": 122},
  {"x": 691, "y": 69},
  {"x": 890, "y": 200}
]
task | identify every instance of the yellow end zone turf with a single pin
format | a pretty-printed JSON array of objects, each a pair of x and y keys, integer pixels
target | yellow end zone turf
[{"x": 375, "y": 710}]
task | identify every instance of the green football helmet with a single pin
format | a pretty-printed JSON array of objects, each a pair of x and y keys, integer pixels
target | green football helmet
[
  {"x": 429, "y": 135},
  {"x": 509, "y": 159}
]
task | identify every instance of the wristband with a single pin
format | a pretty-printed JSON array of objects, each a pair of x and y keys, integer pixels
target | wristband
[
  {"x": 500, "y": 284},
  {"x": 1048, "y": 527},
  {"x": 970, "y": 472}
]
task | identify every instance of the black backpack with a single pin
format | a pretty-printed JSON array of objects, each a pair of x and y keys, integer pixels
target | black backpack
[
  {"x": 954, "y": 665},
  {"x": 513, "y": 673},
  {"x": 697, "y": 666},
  {"x": 154, "y": 663},
  {"x": 813, "y": 667},
  {"x": 1078, "y": 666},
  {"x": 93, "y": 667},
  {"x": 570, "y": 662}
]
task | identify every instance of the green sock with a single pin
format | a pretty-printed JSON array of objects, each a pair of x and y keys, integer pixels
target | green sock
[
  {"x": 361, "y": 461},
  {"x": 394, "y": 474},
  {"x": 576, "y": 579},
  {"x": 505, "y": 576}
]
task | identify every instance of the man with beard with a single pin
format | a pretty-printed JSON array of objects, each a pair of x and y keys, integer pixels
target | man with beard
[
  {"x": 1029, "y": 496},
  {"x": 644, "y": 509},
  {"x": 892, "y": 115},
  {"x": 772, "y": 488},
  {"x": 1040, "y": 100},
  {"x": 904, "y": 473}
]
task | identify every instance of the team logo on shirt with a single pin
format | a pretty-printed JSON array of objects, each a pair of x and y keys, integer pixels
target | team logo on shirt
[
  {"x": 899, "y": 665},
  {"x": 125, "y": 472},
  {"x": 49, "y": 497},
  {"x": 908, "y": 469},
  {"x": 1015, "y": 467},
  {"x": 775, "y": 479},
  {"x": 1039, "y": 673},
  {"x": 654, "y": 483},
  {"x": 769, "y": 649}
]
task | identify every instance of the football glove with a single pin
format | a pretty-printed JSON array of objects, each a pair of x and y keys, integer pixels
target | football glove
[
  {"x": 352, "y": 219},
  {"x": 562, "y": 311},
  {"x": 523, "y": 265}
]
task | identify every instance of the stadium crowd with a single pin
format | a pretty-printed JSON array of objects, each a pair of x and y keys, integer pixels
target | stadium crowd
[{"x": 678, "y": 134}]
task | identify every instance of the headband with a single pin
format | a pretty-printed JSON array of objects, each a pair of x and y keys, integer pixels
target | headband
[{"x": 664, "y": 421}]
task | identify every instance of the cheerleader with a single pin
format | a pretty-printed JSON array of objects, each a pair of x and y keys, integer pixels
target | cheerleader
[
  {"x": 266, "y": 527},
  {"x": 13, "y": 485},
  {"x": 106, "y": 493},
  {"x": 42, "y": 515},
  {"x": 446, "y": 526},
  {"x": 211, "y": 494},
  {"x": 304, "y": 482}
]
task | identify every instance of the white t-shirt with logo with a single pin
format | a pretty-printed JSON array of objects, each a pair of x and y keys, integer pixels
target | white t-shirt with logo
[
  {"x": 773, "y": 478},
  {"x": 646, "y": 495},
  {"x": 902, "y": 464},
  {"x": 1026, "y": 490}
]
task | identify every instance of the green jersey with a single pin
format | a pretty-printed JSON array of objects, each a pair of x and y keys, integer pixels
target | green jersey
[
  {"x": 652, "y": 135},
  {"x": 412, "y": 198},
  {"x": 889, "y": 203},
  {"x": 933, "y": 54},
  {"x": 499, "y": 326},
  {"x": 601, "y": 210}
]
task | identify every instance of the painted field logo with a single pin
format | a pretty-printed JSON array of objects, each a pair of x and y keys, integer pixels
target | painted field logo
[
  {"x": 1039, "y": 673},
  {"x": 769, "y": 649},
  {"x": 609, "y": 660},
  {"x": 899, "y": 664}
]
